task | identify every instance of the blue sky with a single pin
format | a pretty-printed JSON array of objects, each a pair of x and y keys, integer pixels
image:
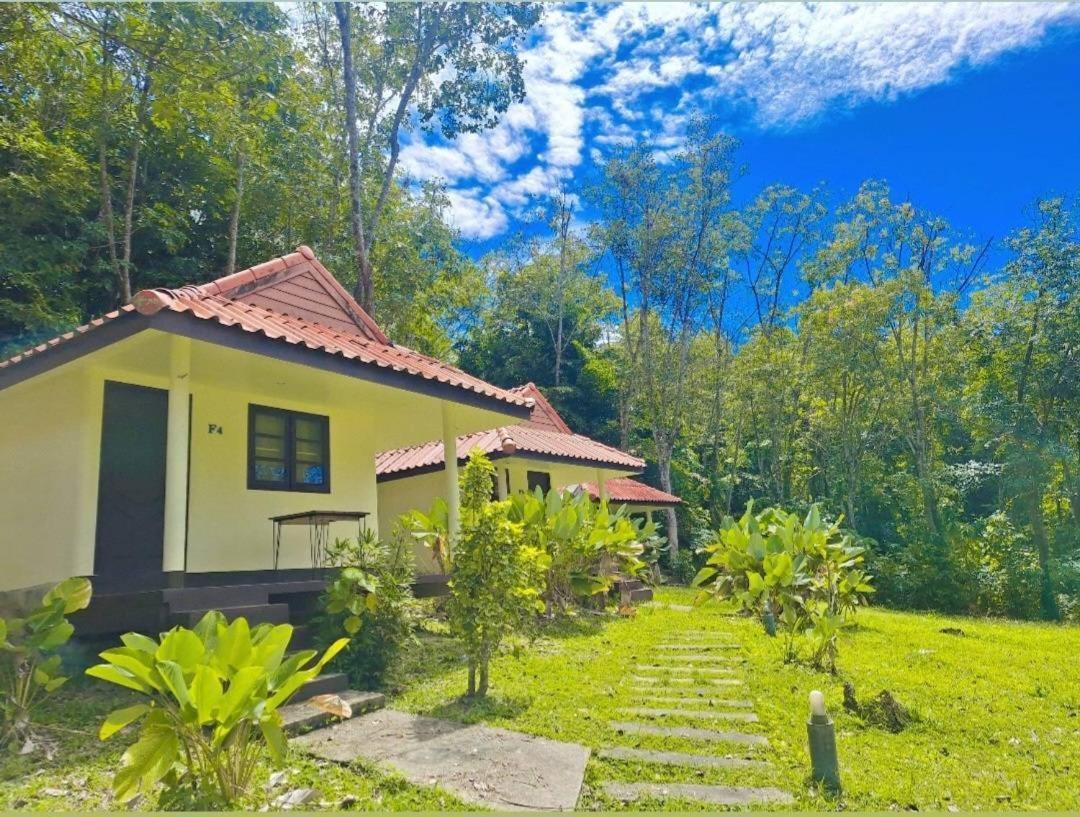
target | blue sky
[{"x": 972, "y": 110}]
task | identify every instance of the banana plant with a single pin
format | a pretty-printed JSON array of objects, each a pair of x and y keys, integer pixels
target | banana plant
[
  {"x": 589, "y": 546},
  {"x": 211, "y": 692},
  {"x": 432, "y": 529},
  {"x": 803, "y": 574},
  {"x": 29, "y": 668}
]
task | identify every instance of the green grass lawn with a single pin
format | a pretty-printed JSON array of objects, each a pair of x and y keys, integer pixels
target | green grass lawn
[{"x": 997, "y": 716}]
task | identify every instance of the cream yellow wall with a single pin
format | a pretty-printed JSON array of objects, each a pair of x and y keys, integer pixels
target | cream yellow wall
[
  {"x": 399, "y": 496},
  {"x": 50, "y": 446},
  {"x": 228, "y": 524},
  {"x": 48, "y": 477}
]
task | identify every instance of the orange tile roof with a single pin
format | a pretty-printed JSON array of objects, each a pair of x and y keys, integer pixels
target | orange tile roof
[
  {"x": 311, "y": 309},
  {"x": 507, "y": 440},
  {"x": 544, "y": 434},
  {"x": 631, "y": 492},
  {"x": 544, "y": 414}
]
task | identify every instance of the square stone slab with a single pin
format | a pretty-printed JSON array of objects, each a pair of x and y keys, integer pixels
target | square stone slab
[
  {"x": 697, "y": 646},
  {"x": 678, "y": 758},
  {"x": 694, "y": 700},
  {"x": 694, "y": 714},
  {"x": 480, "y": 764},
  {"x": 672, "y": 679},
  {"x": 688, "y": 732},
  {"x": 720, "y": 795},
  {"x": 677, "y": 670}
]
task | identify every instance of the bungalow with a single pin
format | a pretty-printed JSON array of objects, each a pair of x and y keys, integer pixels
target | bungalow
[
  {"x": 197, "y": 447},
  {"x": 542, "y": 451}
]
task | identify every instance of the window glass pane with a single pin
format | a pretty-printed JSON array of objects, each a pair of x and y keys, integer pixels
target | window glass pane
[
  {"x": 310, "y": 474},
  {"x": 272, "y": 424},
  {"x": 270, "y": 448},
  {"x": 270, "y": 471},
  {"x": 308, "y": 429},
  {"x": 538, "y": 479},
  {"x": 288, "y": 451},
  {"x": 309, "y": 451}
]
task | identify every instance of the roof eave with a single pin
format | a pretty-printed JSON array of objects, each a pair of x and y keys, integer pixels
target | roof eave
[{"x": 185, "y": 324}]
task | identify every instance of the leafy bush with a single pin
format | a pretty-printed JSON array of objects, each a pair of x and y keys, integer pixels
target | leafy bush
[
  {"x": 494, "y": 575},
  {"x": 681, "y": 567},
  {"x": 30, "y": 669},
  {"x": 371, "y": 599},
  {"x": 588, "y": 546},
  {"x": 803, "y": 575},
  {"x": 212, "y": 691}
]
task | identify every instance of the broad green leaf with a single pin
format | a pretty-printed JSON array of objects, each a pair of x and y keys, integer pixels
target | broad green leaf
[
  {"x": 275, "y": 737},
  {"x": 75, "y": 593},
  {"x": 119, "y": 718},
  {"x": 141, "y": 643},
  {"x": 182, "y": 647},
  {"x": 54, "y": 636},
  {"x": 206, "y": 693},
  {"x": 115, "y": 675},
  {"x": 146, "y": 761},
  {"x": 172, "y": 675},
  {"x": 234, "y": 644},
  {"x": 238, "y": 698}
]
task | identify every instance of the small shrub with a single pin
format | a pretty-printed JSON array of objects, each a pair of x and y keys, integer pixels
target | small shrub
[
  {"x": 371, "y": 599},
  {"x": 30, "y": 669},
  {"x": 681, "y": 567},
  {"x": 803, "y": 576},
  {"x": 212, "y": 692},
  {"x": 494, "y": 577},
  {"x": 588, "y": 545}
]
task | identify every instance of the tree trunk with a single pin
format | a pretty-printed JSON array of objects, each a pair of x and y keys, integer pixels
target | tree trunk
[
  {"x": 132, "y": 183},
  {"x": 109, "y": 221},
  {"x": 1047, "y": 602},
  {"x": 106, "y": 212},
  {"x": 362, "y": 290},
  {"x": 482, "y": 689},
  {"x": 471, "y": 691},
  {"x": 234, "y": 216},
  {"x": 663, "y": 458}
]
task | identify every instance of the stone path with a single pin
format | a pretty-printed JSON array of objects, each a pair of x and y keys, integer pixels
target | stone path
[
  {"x": 682, "y": 689},
  {"x": 720, "y": 795},
  {"x": 484, "y": 765},
  {"x": 656, "y": 679}
]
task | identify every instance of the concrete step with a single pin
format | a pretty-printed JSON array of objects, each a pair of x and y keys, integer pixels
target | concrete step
[
  {"x": 325, "y": 684},
  {"x": 641, "y": 594},
  {"x": 213, "y": 597},
  {"x": 254, "y": 613},
  {"x": 303, "y": 716},
  {"x": 303, "y": 638}
]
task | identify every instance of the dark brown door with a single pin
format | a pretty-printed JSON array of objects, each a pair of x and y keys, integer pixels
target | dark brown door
[{"x": 131, "y": 487}]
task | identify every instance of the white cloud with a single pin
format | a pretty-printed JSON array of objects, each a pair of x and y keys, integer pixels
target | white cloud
[
  {"x": 792, "y": 62},
  {"x": 476, "y": 215},
  {"x": 594, "y": 77}
]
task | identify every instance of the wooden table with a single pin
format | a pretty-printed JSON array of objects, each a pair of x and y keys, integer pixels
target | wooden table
[{"x": 318, "y": 524}]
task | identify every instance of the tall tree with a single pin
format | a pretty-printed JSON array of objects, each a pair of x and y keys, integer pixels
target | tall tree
[
  {"x": 667, "y": 228},
  {"x": 454, "y": 65},
  {"x": 1023, "y": 334}
]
